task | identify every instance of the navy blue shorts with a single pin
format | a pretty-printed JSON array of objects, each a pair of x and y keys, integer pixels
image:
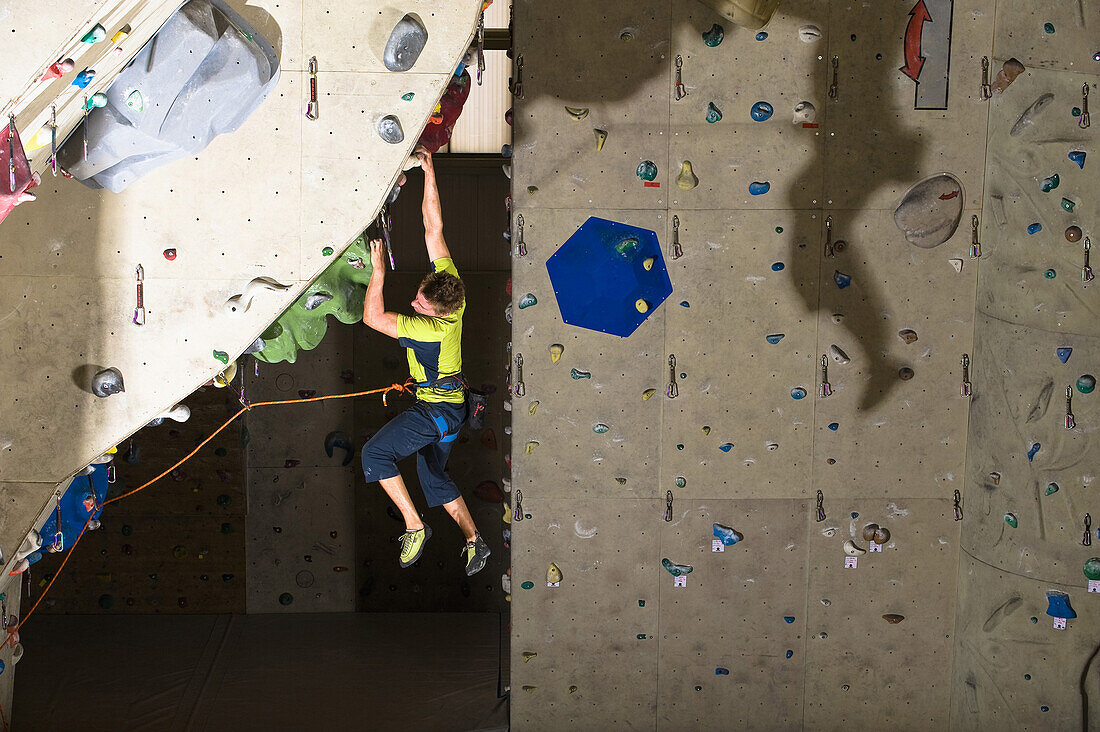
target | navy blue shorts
[{"x": 415, "y": 430}]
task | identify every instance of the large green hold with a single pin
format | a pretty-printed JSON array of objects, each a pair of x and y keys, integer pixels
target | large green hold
[{"x": 298, "y": 328}]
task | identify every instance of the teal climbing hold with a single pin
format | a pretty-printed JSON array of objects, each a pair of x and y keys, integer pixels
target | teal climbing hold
[
  {"x": 1049, "y": 183},
  {"x": 714, "y": 36},
  {"x": 713, "y": 113},
  {"x": 676, "y": 570},
  {"x": 1052, "y": 488},
  {"x": 647, "y": 170},
  {"x": 1086, "y": 383},
  {"x": 774, "y": 338},
  {"x": 577, "y": 374}
]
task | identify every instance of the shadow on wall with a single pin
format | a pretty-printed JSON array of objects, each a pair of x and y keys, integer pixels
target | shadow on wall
[
  {"x": 262, "y": 22},
  {"x": 863, "y": 313}
]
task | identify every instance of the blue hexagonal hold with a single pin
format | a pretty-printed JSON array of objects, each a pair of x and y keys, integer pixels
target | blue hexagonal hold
[{"x": 600, "y": 278}]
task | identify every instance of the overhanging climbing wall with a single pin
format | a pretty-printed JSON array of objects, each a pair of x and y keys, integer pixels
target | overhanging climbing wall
[
  {"x": 259, "y": 213},
  {"x": 792, "y": 230}
]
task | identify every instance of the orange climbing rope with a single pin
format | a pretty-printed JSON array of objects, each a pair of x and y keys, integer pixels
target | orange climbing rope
[{"x": 406, "y": 388}]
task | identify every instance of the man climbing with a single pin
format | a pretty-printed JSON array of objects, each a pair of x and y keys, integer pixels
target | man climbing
[{"x": 433, "y": 341}]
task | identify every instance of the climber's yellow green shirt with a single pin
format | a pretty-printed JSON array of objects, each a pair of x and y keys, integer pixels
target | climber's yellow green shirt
[{"x": 434, "y": 345}]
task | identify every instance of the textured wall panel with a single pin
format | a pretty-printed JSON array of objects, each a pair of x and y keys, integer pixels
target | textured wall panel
[
  {"x": 608, "y": 555},
  {"x": 861, "y": 671},
  {"x": 737, "y": 386},
  {"x": 885, "y": 443},
  {"x": 624, "y": 84},
  {"x": 571, "y": 459},
  {"x": 1014, "y": 283},
  {"x": 732, "y": 615}
]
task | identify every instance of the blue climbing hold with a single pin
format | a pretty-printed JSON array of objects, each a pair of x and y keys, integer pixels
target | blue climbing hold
[
  {"x": 1034, "y": 449},
  {"x": 685, "y": 304},
  {"x": 1064, "y": 353},
  {"x": 728, "y": 536},
  {"x": 762, "y": 36},
  {"x": 788, "y": 619},
  {"x": 842, "y": 280},
  {"x": 855, "y": 515},
  {"x": 790, "y": 653},
  {"x": 758, "y": 188},
  {"x": 721, "y": 671},
  {"x": 726, "y": 447},
  {"x": 1044, "y": 708},
  {"x": 1077, "y": 157},
  {"x": 798, "y": 393},
  {"x": 761, "y": 111},
  {"x": 774, "y": 338},
  {"x": 778, "y": 267},
  {"x": 1058, "y": 605},
  {"x": 1034, "y": 228},
  {"x": 834, "y": 426}
]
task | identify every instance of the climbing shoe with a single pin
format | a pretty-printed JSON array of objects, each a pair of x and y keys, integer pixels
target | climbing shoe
[
  {"x": 476, "y": 552},
  {"x": 412, "y": 544}
]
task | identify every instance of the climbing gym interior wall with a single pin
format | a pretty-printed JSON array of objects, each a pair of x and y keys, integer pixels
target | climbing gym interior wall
[
  {"x": 790, "y": 309},
  {"x": 115, "y": 306}
]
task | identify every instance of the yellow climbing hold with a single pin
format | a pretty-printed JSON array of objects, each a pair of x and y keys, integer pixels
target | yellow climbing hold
[
  {"x": 556, "y": 350},
  {"x": 687, "y": 179},
  {"x": 647, "y": 394},
  {"x": 534, "y": 405},
  {"x": 529, "y": 688},
  {"x": 601, "y": 138},
  {"x": 121, "y": 34},
  {"x": 507, "y": 514},
  {"x": 577, "y": 113},
  {"x": 641, "y": 305},
  {"x": 531, "y": 446},
  {"x": 553, "y": 574},
  {"x": 647, "y": 263},
  {"x": 38, "y": 140},
  {"x": 572, "y": 690},
  {"x": 225, "y": 377},
  {"x": 528, "y": 655}
]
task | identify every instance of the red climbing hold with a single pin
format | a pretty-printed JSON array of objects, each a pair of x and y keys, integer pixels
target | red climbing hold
[
  {"x": 170, "y": 254},
  {"x": 58, "y": 69},
  {"x": 489, "y": 492},
  {"x": 436, "y": 135}
]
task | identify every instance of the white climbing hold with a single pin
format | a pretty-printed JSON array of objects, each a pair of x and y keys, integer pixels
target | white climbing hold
[
  {"x": 239, "y": 304},
  {"x": 809, "y": 33},
  {"x": 852, "y": 549},
  {"x": 957, "y": 264}
]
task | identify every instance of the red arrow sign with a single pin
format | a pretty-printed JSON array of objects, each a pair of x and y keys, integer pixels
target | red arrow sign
[{"x": 914, "y": 62}]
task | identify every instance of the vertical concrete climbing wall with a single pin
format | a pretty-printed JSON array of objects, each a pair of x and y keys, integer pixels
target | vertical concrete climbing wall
[
  {"x": 1030, "y": 477},
  {"x": 781, "y": 198},
  {"x": 176, "y": 547},
  {"x": 301, "y": 528}
]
